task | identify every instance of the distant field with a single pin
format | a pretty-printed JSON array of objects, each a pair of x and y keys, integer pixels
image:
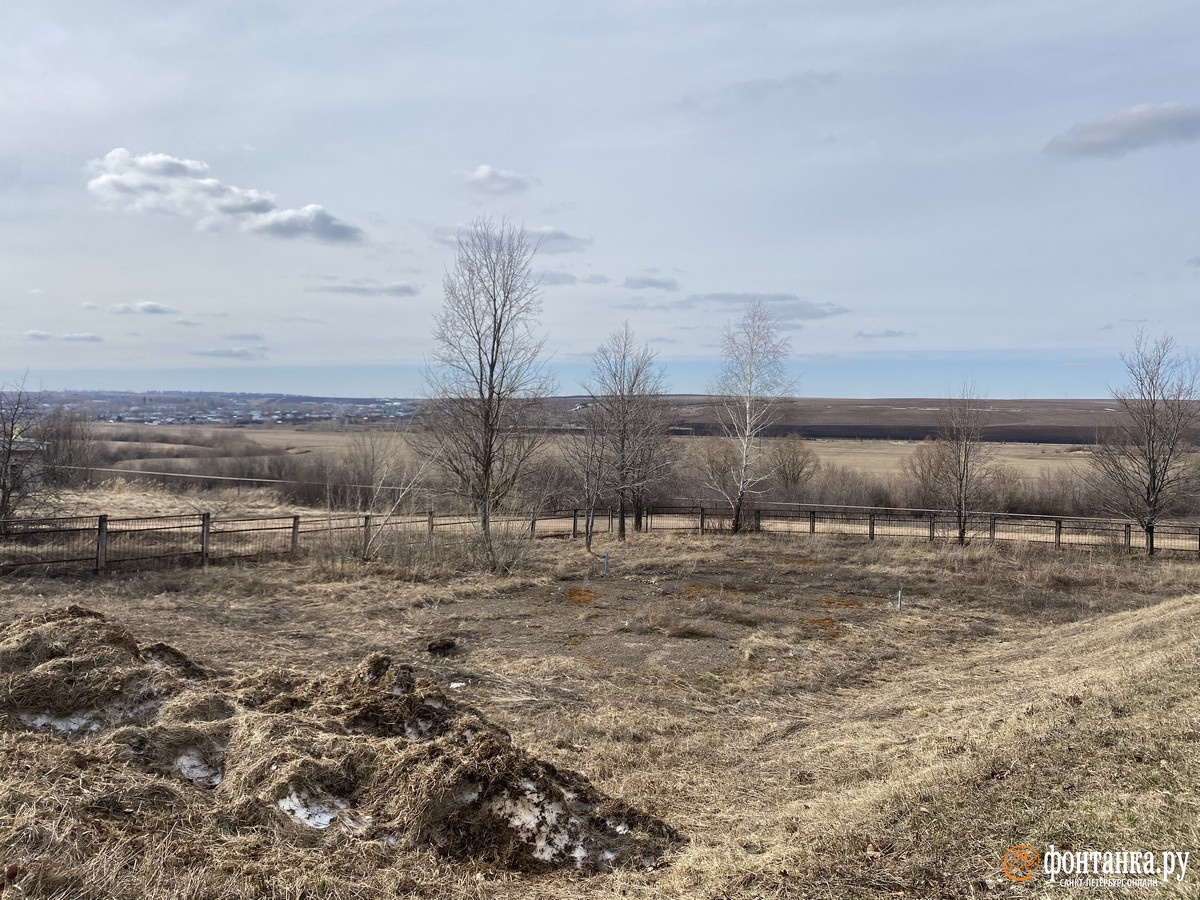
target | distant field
[
  {"x": 887, "y": 457},
  {"x": 874, "y": 457}
]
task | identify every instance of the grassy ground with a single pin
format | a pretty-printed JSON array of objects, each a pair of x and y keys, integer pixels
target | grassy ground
[{"x": 763, "y": 696}]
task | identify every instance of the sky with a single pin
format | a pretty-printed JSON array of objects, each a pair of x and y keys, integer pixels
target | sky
[{"x": 264, "y": 196}]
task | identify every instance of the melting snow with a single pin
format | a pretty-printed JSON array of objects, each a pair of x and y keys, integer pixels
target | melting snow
[
  {"x": 71, "y": 723},
  {"x": 314, "y": 812},
  {"x": 544, "y": 823},
  {"x": 195, "y": 768}
]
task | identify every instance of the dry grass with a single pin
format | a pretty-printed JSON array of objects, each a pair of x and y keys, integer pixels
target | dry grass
[{"x": 763, "y": 696}]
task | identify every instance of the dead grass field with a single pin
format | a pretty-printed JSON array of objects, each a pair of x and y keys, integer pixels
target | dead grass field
[
  {"x": 762, "y": 696},
  {"x": 885, "y": 458},
  {"x": 871, "y": 457}
]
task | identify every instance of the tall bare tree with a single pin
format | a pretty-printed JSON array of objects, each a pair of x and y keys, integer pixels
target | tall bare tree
[
  {"x": 486, "y": 379},
  {"x": 588, "y": 453},
  {"x": 627, "y": 391},
  {"x": 1145, "y": 464},
  {"x": 21, "y": 451},
  {"x": 69, "y": 447},
  {"x": 964, "y": 461},
  {"x": 954, "y": 470},
  {"x": 746, "y": 400}
]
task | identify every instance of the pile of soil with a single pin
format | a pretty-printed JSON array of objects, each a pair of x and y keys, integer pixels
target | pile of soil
[{"x": 376, "y": 752}]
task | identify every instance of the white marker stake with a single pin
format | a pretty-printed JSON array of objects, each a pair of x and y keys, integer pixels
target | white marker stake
[{"x": 900, "y": 598}]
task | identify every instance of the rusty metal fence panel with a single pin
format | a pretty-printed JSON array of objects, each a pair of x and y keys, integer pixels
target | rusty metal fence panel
[
  {"x": 150, "y": 538},
  {"x": 51, "y": 543}
]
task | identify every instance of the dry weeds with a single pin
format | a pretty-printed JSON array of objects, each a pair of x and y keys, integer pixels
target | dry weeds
[{"x": 763, "y": 696}]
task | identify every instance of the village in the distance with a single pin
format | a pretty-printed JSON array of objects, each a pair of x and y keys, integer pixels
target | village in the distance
[{"x": 212, "y": 408}]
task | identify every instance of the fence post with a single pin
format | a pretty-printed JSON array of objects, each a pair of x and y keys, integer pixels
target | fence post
[
  {"x": 757, "y": 520},
  {"x": 430, "y": 525},
  {"x": 1057, "y": 534},
  {"x": 702, "y": 520},
  {"x": 101, "y": 543},
  {"x": 812, "y": 521},
  {"x": 366, "y": 541},
  {"x": 574, "y": 523},
  {"x": 871, "y": 527},
  {"x": 1128, "y": 537},
  {"x": 205, "y": 537},
  {"x": 992, "y": 530},
  {"x": 932, "y": 527},
  {"x": 295, "y": 535}
]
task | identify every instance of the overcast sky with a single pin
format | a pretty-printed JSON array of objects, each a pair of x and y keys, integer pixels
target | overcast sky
[{"x": 263, "y": 196}]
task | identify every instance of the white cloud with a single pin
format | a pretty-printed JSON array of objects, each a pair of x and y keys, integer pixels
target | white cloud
[
  {"x": 644, "y": 282},
  {"x": 547, "y": 238},
  {"x": 368, "y": 288},
  {"x": 596, "y": 279},
  {"x": 252, "y": 336},
  {"x": 550, "y": 277},
  {"x": 498, "y": 182},
  {"x": 788, "y": 309},
  {"x": 1132, "y": 129},
  {"x": 37, "y": 335},
  {"x": 251, "y": 353},
  {"x": 83, "y": 336},
  {"x": 886, "y": 333},
  {"x": 89, "y": 305},
  {"x": 144, "y": 307},
  {"x": 554, "y": 240},
  {"x": 155, "y": 182}
]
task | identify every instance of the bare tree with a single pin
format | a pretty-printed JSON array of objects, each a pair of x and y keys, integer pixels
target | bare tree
[
  {"x": 954, "y": 470},
  {"x": 966, "y": 460},
  {"x": 627, "y": 392},
  {"x": 486, "y": 380},
  {"x": 588, "y": 454},
  {"x": 794, "y": 465},
  {"x": 69, "y": 447},
  {"x": 747, "y": 393},
  {"x": 1145, "y": 465},
  {"x": 21, "y": 451}
]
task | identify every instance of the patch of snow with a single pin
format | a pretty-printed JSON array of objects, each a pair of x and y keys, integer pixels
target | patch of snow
[
  {"x": 468, "y": 735},
  {"x": 399, "y": 690},
  {"x": 195, "y": 768},
  {"x": 455, "y": 685},
  {"x": 618, "y": 827},
  {"x": 434, "y": 703},
  {"x": 315, "y": 812},
  {"x": 468, "y": 796},
  {"x": 541, "y": 822},
  {"x": 72, "y": 723}
]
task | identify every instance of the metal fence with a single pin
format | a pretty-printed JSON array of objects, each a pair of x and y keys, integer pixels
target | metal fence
[
  {"x": 932, "y": 525},
  {"x": 104, "y": 543},
  {"x": 101, "y": 543}
]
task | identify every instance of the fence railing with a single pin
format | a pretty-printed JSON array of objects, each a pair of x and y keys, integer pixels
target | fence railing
[
  {"x": 103, "y": 543},
  {"x": 932, "y": 525}
]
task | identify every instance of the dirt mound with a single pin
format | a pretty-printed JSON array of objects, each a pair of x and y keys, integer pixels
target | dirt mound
[{"x": 372, "y": 753}]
